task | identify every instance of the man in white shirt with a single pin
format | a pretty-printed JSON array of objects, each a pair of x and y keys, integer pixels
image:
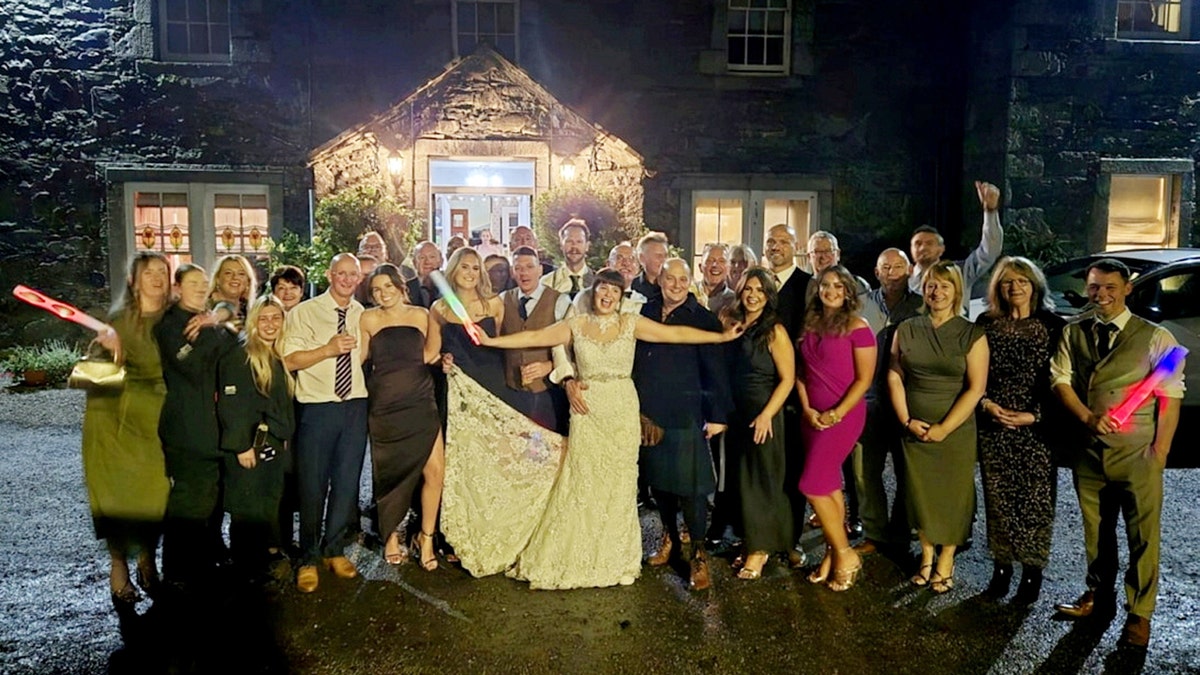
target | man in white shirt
[
  {"x": 927, "y": 246},
  {"x": 320, "y": 346},
  {"x": 622, "y": 259},
  {"x": 574, "y": 276}
]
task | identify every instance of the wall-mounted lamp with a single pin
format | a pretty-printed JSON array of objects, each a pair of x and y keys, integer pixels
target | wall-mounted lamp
[
  {"x": 395, "y": 165},
  {"x": 567, "y": 170}
]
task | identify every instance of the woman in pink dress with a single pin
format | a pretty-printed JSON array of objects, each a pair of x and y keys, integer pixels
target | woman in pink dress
[{"x": 835, "y": 364}]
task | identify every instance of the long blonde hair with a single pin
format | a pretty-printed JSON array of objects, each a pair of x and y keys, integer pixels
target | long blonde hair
[
  {"x": 483, "y": 287},
  {"x": 258, "y": 353}
]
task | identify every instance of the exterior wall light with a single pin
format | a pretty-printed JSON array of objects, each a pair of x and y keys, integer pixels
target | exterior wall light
[
  {"x": 566, "y": 170},
  {"x": 395, "y": 166}
]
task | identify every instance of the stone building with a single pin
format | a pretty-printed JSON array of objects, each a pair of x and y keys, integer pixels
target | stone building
[{"x": 121, "y": 120}]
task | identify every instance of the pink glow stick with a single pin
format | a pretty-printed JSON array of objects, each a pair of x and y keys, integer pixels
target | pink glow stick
[
  {"x": 456, "y": 305},
  {"x": 59, "y": 308},
  {"x": 1168, "y": 364}
]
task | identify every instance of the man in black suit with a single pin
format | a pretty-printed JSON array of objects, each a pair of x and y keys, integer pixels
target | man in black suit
[{"x": 793, "y": 287}]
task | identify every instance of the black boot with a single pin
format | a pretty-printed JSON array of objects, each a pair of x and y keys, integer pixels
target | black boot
[
  {"x": 1001, "y": 578},
  {"x": 1030, "y": 587}
]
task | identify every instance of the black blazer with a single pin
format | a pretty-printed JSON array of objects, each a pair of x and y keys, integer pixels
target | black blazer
[
  {"x": 791, "y": 303},
  {"x": 422, "y": 299},
  {"x": 189, "y": 413},
  {"x": 241, "y": 406},
  {"x": 682, "y": 386}
]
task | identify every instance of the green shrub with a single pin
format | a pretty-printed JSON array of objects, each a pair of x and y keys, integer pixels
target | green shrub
[{"x": 56, "y": 357}]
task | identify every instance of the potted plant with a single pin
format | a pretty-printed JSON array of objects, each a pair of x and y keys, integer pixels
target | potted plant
[{"x": 47, "y": 363}]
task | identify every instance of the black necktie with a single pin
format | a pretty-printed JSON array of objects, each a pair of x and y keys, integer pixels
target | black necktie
[
  {"x": 1104, "y": 338},
  {"x": 523, "y": 309},
  {"x": 574, "y": 285}
]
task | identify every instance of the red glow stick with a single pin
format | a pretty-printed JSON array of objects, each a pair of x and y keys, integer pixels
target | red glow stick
[
  {"x": 455, "y": 305},
  {"x": 1168, "y": 364},
  {"x": 59, "y": 308}
]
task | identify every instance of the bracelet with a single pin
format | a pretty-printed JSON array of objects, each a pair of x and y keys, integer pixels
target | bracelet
[{"x": 908, "y": 423}]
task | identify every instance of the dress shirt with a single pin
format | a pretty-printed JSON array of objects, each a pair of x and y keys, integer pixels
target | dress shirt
[
  {"x": 782, "y": 277},
  {"x": 560, "y": 279},
  {"x": 560, "y": 307},
  {"x": 1061, "y": 369},
  {"x": 310, "y": 325}
]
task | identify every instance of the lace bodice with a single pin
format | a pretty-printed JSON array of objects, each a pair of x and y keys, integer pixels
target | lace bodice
[{"x": 604, "y": 346}]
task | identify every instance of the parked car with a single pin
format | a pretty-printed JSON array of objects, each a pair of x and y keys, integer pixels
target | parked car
[{"x": 1166, "y": 290}]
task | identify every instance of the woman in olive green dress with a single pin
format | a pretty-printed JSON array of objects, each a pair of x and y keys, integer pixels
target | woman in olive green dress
[
  {"x": 123, "y": 463},
  {"x": 937, "y": 375}
]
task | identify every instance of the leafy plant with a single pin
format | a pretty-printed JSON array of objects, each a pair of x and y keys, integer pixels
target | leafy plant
[
  {"x": 343, "y": 217},
  {"x": 311, "y": 256},
  {"x": 55, "y": 357},
  {"x": 575, "y": 200}
]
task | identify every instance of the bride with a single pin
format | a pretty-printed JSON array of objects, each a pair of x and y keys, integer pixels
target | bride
[{"x": 589, "y": 535}]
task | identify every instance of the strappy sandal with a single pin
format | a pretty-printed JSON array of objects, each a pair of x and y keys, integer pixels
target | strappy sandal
[
  {"x": 844, "y": 579},
  {"x": 421, "y": 538},
  {"x": 748, "y": 573},
  {"x": 939, "y": 584},
  {"x": 821, "y": 573},
  {"x": 921, "y": 578},
  {"x": 399, "y": 556}
]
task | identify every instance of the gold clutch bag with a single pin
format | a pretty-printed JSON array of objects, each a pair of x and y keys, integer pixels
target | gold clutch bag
[{"x": 96, "y": 373}]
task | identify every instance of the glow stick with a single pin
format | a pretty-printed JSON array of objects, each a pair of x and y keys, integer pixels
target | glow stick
[
  {"x": 455, "y": 304},
  {"x": 1168, "y": 364},
  {"x": 59, "y": 308}
]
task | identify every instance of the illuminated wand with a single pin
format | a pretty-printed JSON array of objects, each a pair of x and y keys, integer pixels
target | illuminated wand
[
  {"x": 59, "y": 308},
  {"x": 456, "y": 305},
  {"x": 1168, "y": 364}
]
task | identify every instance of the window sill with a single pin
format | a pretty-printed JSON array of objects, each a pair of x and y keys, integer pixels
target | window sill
[{"x": 1151, "y": 46}]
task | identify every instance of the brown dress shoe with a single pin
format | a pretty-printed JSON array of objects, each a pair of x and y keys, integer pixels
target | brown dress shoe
[
  {"x": 342, "y": 567},
  {"x": 307, "y": 578},
  {"x": 1136, "y": 632},
  {"x": 699, "y": 580},
  {"x": 663, "y": 555},
  {"x": 1079, "y": 609}
]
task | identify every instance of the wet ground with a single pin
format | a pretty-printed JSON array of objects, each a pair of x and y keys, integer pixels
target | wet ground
[{"x": 56, "y": 616}]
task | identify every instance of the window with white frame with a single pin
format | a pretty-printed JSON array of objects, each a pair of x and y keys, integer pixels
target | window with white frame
[
  {"x": 491, "y": 21},
  {"x": 199, "y": 222},
  {"x": 1154, "y": 19},
  {"x": 194, "y": 30},
  {"x": 758, "y": 36},
  {"x": 1143, "y": 211},
  {"x": 744, "y": 216}
]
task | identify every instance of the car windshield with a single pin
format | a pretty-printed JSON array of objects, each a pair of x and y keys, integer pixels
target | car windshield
[{"x": 1067, "y": 281}]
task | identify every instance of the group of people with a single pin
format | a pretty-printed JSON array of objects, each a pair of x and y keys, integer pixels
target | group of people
[{"x": 519, "y": 420}]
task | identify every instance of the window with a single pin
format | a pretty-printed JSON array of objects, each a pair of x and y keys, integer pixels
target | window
[
  {"x": 758, "y": 36},
  {"x": 493, "y": 22},
  {"x": 241, "y": 224},
  {"x": 1154, "y": 19},
  {"x": 1142, "y": 211},
  {"x": 160, "y": 223},
  {"x": 744, "y": 216},
  {"x": 194, "y": 30}
]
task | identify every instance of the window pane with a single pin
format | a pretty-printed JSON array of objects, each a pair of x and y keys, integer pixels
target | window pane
[
  {"x": 774, "y": 51},
  {"x": 198, "y": 38},
  {"x": 175, "y": 199},
  {"x": 792, "y": 212},
  {"x": 757, "y": 22},
  {"x": 220, "y": 38},
  {"x": 487, "y": 17},
  {"x": 506, "y": 18},
  {"x": 466, "y": 17},
  {"x": 507, "y": 45},
  {"x": 1138, "y": 208},
  {"x": 775, "y": 23},
  {"x": 737, "y": 22},
  {"x": 755, "y": 51},
  {"x": 737, "y": 50},
  {"x": 218, "y": 11},
  {"x": 177, "y": 40},
  {"x": 176, "y": 10},
  {"x": 197, "y": 10}
]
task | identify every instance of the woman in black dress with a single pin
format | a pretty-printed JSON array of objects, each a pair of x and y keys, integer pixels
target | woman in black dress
[
  {"x": 1014, "y": 457},
  {"x": 257, "y": 416},
  {"x": 400, "y": 340},
  {"x": 763, "y": 373}
]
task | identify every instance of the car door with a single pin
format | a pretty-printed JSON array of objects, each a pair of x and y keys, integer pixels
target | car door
[{"x": 1171, "y": 298}]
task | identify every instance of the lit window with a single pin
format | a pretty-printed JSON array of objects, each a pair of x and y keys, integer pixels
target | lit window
[
  {"x": 241, "y": 224},
  {"x": 493, "y": 22},
  {"x": 161, "y": 224},
  {"x": 1153, "y": 19},
  {"x": 1141, "y": 211},
  {"x": 194, "y": 30},
  {"x": 716, "y": 220},
  {"x": 758, "y": 36}
]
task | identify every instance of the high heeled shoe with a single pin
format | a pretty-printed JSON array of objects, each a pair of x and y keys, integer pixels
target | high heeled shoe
[
  {"x": 428, "y": 564},
  {"x": 997, "y": 588},
  {"x": 396, "y": 557},
  {"x": 845, "y": 578},
  {"x": 819, "y": 575},
  {"x": 1030, "y": 587},
  {"x": 921, "y": 578},
  {"x": 942, "y": 584},
  {"x": 748, "y": 573}
]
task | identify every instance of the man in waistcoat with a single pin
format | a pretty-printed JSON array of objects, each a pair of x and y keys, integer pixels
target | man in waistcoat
[
  {"x": 529, "y": 306},
  {"x": 1119, "y": 465}
]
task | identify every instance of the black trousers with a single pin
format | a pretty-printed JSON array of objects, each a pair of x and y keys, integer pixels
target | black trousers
[{"x": 189, "y": 555}]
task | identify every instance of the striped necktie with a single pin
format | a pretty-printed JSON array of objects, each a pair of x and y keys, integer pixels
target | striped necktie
[{"x": 344, "y": 379}]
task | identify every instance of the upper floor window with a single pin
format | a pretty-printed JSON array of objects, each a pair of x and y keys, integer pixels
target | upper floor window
[
  {"x": 194, "y": 30},
  {"x": 1154, "y": 19},
  {"x": 490, "y": 21},
  {"x": 758, "y": 36}
]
